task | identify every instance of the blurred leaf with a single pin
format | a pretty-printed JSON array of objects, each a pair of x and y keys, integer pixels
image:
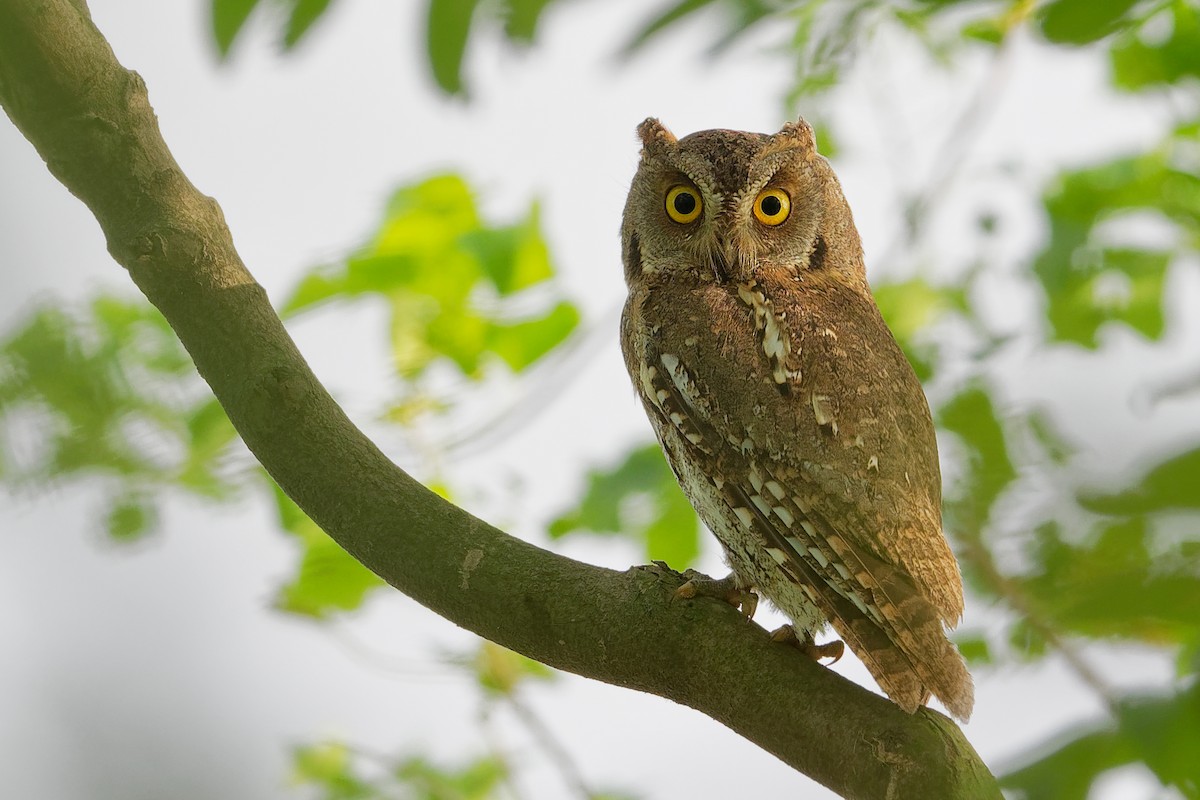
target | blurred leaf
[
  {"x": 910, "y": 307},
  {"x": 663, "y": 20},
  {"x": 329, "y": 767},
  {"x": 523, "y": 343},
  {"x": 1118, "y": 582},
  {"x": 1140, "y": 60},
  {"x": 1089, "y": 281},
  {"x": 1165, "y": 729},
  {"x": 329, "y": 578},
  {"x": 521, "y": 19},
  {"x": 210, "y": 435},
  {"x": 1169, "y": 485},
  {"x": 513, "y": 257},
  {"x": 639, "y": 499},
  {"x": 500, "y": 670},
  {"x": 129, "y": 518},
  {"x": 1159, "y": 730},
  {"x": 971, "y": 416},
  {"x": 1114, "y": 285},
  {"x": 449, "y": 24},
  {"x": 1081, "y": 21},
  {"x": 301, "y": 18},
  {"x": 109, "y": 393},
  {"x": 1026, "y": 642},
  {"x": 228, "y": 17},
  {"x": 1068, "y": 771},
  {"x": 478, "y": 780},
  {"x": 460, "y": 291},
  {"x": 974, "y": 648}
]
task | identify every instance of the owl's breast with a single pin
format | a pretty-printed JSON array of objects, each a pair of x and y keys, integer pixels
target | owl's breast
[{"x": 806, "y": 371}]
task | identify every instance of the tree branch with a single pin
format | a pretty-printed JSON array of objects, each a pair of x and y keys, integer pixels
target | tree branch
[{"x": 91, "y": 121}]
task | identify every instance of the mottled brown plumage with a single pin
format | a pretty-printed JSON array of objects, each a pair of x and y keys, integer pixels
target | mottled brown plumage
[{"x": 787, "y": 411}]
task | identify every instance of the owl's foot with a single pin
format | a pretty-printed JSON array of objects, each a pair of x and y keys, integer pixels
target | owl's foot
[
  {"x": 786, "y": 634},
  {"x": 727, "y": 589}
]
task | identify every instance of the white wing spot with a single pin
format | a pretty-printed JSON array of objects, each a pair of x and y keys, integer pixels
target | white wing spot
[
  {"x": 775, "y": 489},
  {"x": 755, "y": 479},
  {"x": 784, "y": 515},
  {"x": 808, "y": 528},
  {"x": 762, "y": 505},
  {"x": 823, "y": 412},
  {"x": 873, "y": 463},
  {"x": 845, "y": 573},
  {"x": 858, "y": 602},
  {"x": 816, "y": 553},
  {"x": 647, "y": 374},
  {"x": 777, "y": 554},
  {"x": 745, "y": 516}
]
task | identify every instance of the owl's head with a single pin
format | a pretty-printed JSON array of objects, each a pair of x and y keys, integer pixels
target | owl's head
[{"x": 723, "y": 206}]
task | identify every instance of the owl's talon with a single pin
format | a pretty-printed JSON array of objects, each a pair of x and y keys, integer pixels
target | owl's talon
[
  {"x": 786, "y": 634},
  {"x": 727, "y": 589}
]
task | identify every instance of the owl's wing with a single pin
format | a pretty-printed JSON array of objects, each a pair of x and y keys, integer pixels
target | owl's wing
[{"x": 810, "y": 518}]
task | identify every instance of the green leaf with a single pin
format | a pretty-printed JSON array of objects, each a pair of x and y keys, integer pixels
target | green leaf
[
  {"x": 521, "y": 344},
  {"x": 911, "y": 306},
  {"x": 1158, "y": 730},
  {"x": 640, "y": 499},
  {"x": 130, "y": 518},
  {"x": 521, "y": 19},
  {"x": 513, "y": 257},
  {"x": 228, "y": 18},
  {"x": 1140, "y": 62},
  {"x": 449, "y": 24},
  {"x": 301, "y": 18},
  {"x": 971, "y": 416},
  {"x": 1119, "y": 581},
  {"x": 662, "y": 21},
  {"x": 108, "y": 393},
  {"x": 476, "y": 781},
  {"x": 1165, "y": 730},
  {"x": 1082, "y": 21},
  {"x": 1169, "y": 485},
  {"x": 458, "y": 288},
  {"x": 1089, "y": 281},
  {"x": 329, "y": 766},
  {"x": 329, "y": 579},
  {"x": 974, "y": 648},
  {"x": 1069, "y": 769},
  {"x": 499, "y": 670}
]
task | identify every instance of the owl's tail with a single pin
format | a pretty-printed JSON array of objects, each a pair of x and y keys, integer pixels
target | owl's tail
[{"x": 909, "y": 654}]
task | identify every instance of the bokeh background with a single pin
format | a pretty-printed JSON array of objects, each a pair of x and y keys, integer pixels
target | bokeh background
[{"x": 431, "y": 192}]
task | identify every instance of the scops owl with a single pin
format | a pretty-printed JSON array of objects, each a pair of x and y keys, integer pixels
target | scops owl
[{"x": 787, "y": 411}]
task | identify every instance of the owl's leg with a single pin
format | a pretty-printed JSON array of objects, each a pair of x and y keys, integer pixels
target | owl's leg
[
  {"x": 730, "y": 589},
  {"x": 786, "y": 634}
]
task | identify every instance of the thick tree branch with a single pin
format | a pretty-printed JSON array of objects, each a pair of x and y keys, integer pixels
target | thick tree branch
[{"x": 91, "y": 121}]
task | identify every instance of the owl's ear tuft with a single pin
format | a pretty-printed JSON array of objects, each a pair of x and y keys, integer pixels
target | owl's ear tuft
[
  {"x": 797, "y": 134},
  {"x": 654, "y": 134}
]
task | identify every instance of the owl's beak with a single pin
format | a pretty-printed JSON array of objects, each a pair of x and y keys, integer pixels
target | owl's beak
[{"x": 719, "y": 260}]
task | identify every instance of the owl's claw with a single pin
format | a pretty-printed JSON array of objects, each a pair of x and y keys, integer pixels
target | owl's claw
[
  {"x": 786, "y": 634},
  {"x": 727, "y": 589}
]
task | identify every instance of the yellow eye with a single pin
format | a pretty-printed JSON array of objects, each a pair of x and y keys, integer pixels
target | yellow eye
[
  {"x": 683, "y": 204},
  {"x": 772, "y": 206}
]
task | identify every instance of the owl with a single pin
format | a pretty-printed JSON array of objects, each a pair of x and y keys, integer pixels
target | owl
[{"x": 785, "y": 408}]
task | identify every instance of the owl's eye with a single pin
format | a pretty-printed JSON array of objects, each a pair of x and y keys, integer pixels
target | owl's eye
[
  {"x": 772, "y": 206},
  {"x": 683, "y": 204}
]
